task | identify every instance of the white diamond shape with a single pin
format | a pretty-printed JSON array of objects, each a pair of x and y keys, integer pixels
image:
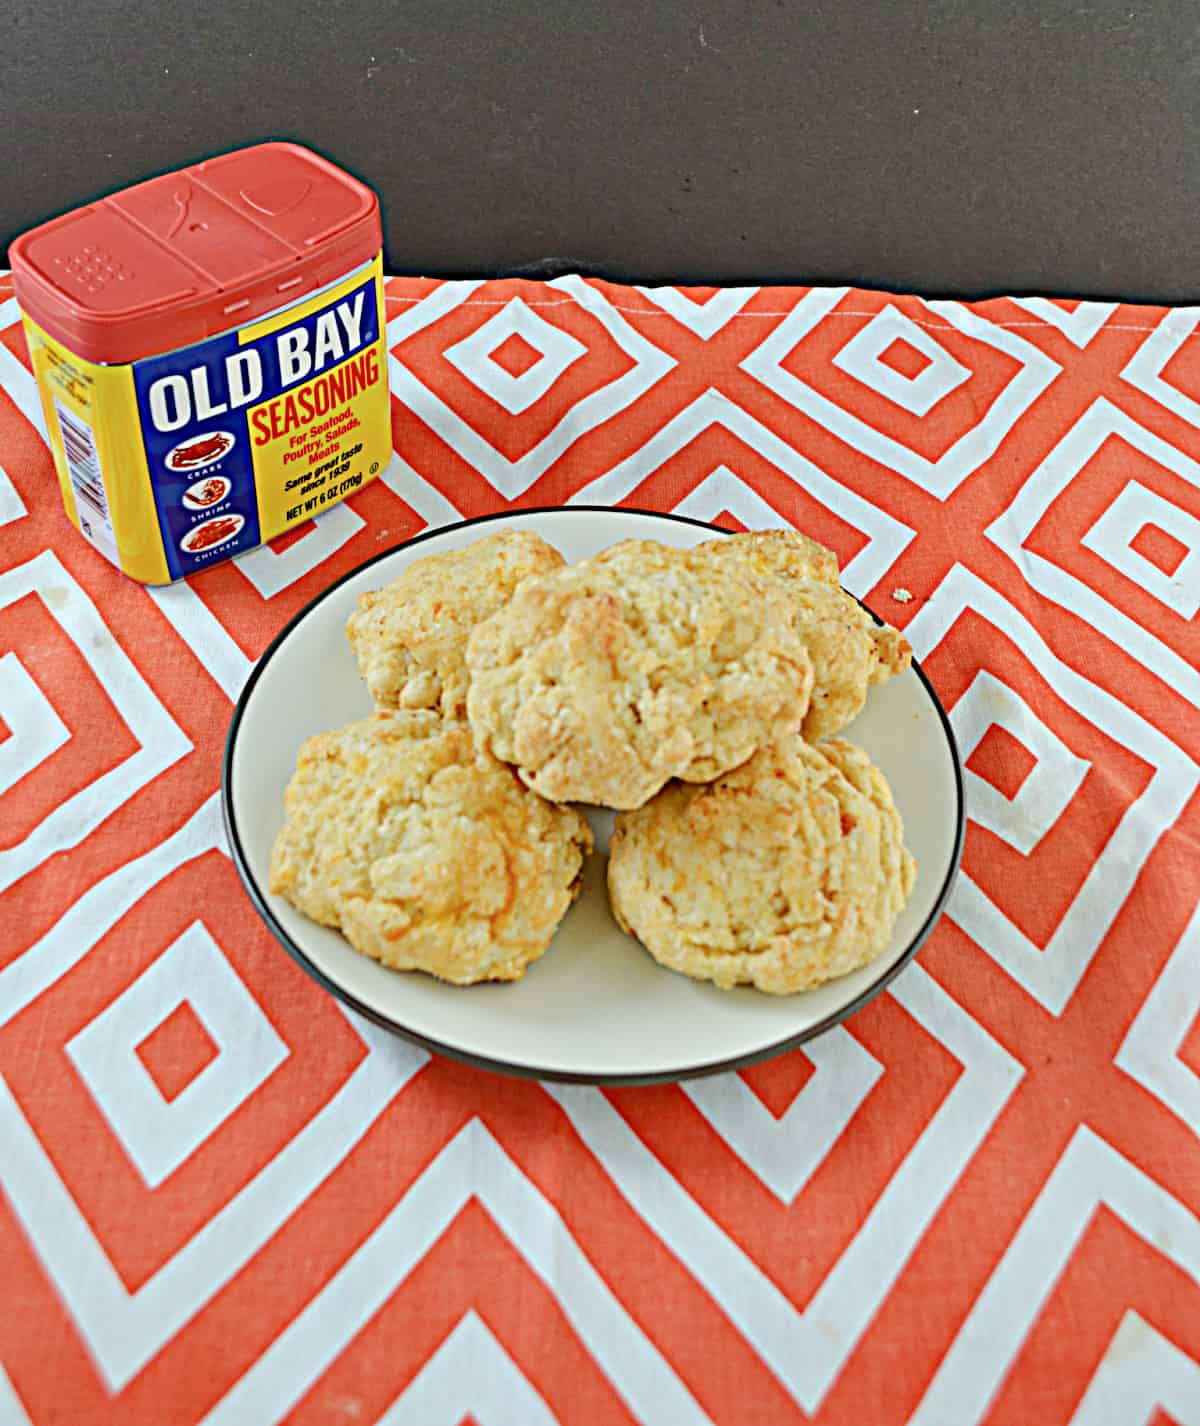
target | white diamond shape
[
  {"x": 16, "y": 379},
  {"x": 940, "y": 477},
  {"x": 418, "y": 494},
  {"x": 557, "y": 351},
  {"x": 1089, "y": 1174},
  {"x": 204, "y": 634},
  {"x": 703, "y": 319},
  {"x": 1078, "y": 326},
  {"x": 807, "y": 1348},
  {"x": 35, "y": 729},
  {"x": 784, "y": 1153},
  {"x": 157, "y": 1134},
  {"x": 271, "y": 571},
  {"x": 1145, "y": 368},
  {"x": 1112, "y": 536},
  {"x": 860, "y": 358},
  {"x": 12, "y": 1412},
  {"x": 513, "y": 477},
  {"x": 470, "y": 1374},
  {"x": 1150, "y": 1050},
  {"x": 1065, "y": 463},
  {"x": 12, "y": 507},
  {"x": 124, "y": 1329},
  {"x": 1140, "y": 1371},
  {"x": 1024, "y": 819},
  {"x": 160, "y": 741},
  {"x": 1052, "y": 974},
  {"x": 722, "y": 489},
  {"x": 471, "y": 1167}
]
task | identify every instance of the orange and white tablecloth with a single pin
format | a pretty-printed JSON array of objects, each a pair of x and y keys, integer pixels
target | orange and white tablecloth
[{"x": 225, "y": 1200}]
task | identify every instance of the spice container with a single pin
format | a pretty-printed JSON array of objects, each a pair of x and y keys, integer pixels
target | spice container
[{"x": 209, "y": 350}]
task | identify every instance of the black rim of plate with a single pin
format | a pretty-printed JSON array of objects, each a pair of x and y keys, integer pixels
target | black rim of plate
[{"x": 512, "y": 1067}]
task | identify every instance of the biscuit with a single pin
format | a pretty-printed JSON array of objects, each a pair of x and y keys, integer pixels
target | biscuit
[
  {"x": 784, "y": 873},
  {"x": 424, "y": 855},
  {"x": 410, "y": 637},
  {"x": 849, "y": 651},
  {"x": 601, "y": 681}
]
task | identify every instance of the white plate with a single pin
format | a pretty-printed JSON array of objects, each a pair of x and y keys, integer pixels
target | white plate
[{"x": 596, "y": 1007}]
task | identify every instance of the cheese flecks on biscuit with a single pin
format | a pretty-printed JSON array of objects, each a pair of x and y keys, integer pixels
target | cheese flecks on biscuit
[
  {"x": 410, "y": 637},
  {"x": 849, "y": 651},
  {"x": 426, "y": 856},
  {"x": 783, "y": 874},
  {"x": 601, "y": 681}
]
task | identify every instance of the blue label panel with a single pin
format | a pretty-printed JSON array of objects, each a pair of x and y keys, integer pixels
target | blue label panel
[{"x": 193, "y": 405}]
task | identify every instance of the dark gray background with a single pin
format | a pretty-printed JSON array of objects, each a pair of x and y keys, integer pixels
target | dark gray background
[{"x": 963, "y": 146}]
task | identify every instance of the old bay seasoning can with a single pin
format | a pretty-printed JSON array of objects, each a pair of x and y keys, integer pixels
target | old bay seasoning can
[{"x": 209, "y": 349}]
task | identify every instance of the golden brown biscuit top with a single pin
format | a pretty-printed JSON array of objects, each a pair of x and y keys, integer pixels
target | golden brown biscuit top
[
  {"x": 783, "y": 873},
  {"x": 410, "y": 637},
  {"x": 423, "y": 853},
  {"x": 602, "y": 680},
  {"x": 849, "y": 650}
]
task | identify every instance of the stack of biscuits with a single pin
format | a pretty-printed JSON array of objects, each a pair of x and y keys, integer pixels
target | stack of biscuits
[{"x": 694, "y": 691}]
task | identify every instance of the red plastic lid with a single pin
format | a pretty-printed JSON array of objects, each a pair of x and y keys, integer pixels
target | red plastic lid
[{"x": 195, "y": 252}]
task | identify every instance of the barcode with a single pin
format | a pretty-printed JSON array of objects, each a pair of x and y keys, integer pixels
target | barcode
[{"x": 87, "y": 481}]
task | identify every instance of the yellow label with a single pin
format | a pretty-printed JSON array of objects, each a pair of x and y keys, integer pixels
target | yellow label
[
  {"x": 178, "y": 461},
  {"x": 95, "y": 438},
  {"x": 312, "y": 447}
]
